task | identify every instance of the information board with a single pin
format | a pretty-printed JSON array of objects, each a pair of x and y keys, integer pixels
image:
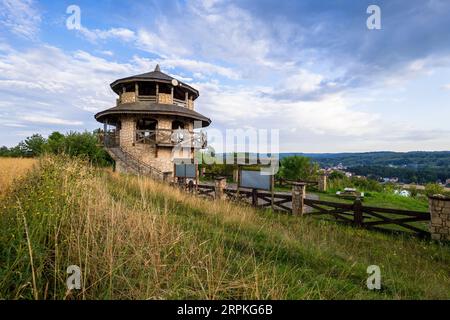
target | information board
[
  {"x": 255, "y": 180},
  {"x": 186, "y": 171}
]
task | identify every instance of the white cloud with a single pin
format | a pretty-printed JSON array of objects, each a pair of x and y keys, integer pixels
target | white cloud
[
  {"x": 114, "y": 33},
  {"x": 45, "y": 119},
  {"x": 20, "y": 17},
  {"x": 48, "y": 89},
  {"x": 194, "y": 66}
]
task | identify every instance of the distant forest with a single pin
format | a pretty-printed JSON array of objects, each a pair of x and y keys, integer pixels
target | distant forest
[{"x": 409, "y": 167}]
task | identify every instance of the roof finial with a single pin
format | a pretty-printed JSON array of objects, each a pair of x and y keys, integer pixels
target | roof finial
[{"x": 157, "y": 68}]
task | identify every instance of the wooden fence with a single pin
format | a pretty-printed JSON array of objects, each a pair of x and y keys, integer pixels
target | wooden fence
[{"x": 356, "y": 214}]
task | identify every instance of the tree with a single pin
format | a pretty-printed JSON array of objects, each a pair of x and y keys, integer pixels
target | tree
[
  {"x": 86, "y": 144},
  {"x": 297, "y": 168},
  {"x": 4, "y": 151},
  {"x": 34, "y": 145},
  {"x": 336, "y": 175},
  {"x": 55, "y": 143}
]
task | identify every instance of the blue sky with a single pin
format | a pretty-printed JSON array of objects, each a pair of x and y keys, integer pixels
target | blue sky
[{"x": 311, "y": 69}]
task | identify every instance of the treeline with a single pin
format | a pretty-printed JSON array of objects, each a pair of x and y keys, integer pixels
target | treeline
[
  {"x": 84, "y": 144},
  {"x": 416, "y": 159},
  {"x": 407, "y": 175}
]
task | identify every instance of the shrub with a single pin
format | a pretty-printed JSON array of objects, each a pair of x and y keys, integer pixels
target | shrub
[{"x": 433, "y": 188}]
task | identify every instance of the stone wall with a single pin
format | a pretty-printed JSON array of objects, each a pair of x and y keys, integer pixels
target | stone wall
[
  {"x": 127, "y": 131},
  {"x": 161, "y": 159},
  {"x": 190, "y": 104},
  {"x": 164, "y": 122},
  {"x": 165, "y": 98},
  {"x": 440, "y": 217},
  {"x": 128, "y": 97}
]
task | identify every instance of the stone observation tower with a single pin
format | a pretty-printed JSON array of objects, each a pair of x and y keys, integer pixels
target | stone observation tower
[{"x": 152, "y": 124}]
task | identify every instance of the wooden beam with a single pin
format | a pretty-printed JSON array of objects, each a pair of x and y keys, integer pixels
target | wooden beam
[{"x": 136, "y": 90}]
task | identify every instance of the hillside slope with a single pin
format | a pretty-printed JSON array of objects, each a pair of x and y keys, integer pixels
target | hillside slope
[{"x": 138, "y": 239}]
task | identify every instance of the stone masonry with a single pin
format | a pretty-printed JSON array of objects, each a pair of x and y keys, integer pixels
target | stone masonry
[
  {"x": 145, "y": 152},
  {"x": 149, "y": 110},
  {"x": 440, "y": 217}
]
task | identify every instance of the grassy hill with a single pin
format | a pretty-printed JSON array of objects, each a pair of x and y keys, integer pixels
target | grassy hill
[{"x": 135, "y": 238}]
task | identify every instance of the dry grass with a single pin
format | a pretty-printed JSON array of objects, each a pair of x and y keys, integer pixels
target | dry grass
[
  {"x": 135, "y": 238},
  {"x": 12, "y": 169}
]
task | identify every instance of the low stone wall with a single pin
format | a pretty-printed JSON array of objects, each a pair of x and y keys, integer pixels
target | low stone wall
[{"x": 440, "y": 217}]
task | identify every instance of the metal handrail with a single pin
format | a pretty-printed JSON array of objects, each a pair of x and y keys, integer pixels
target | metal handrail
[{"x": 140, "y": 163}]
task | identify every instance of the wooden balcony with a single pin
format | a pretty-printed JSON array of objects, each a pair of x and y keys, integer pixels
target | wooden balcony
[
  {"x": 171, "y": 138},
  {"x": 161, "y": 98},
  {"x": 109, "y": 139}
]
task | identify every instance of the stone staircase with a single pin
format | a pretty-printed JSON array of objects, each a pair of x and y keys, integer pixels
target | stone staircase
[{"x": 128, "y": 163}]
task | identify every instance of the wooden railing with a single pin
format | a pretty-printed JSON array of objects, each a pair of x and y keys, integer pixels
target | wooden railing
[
  {"x": 110, "y": 139},
  {"x": 355, "y": 214},
  {"x": 163, "y": 98},
  {"x": 171, "y": 137}
]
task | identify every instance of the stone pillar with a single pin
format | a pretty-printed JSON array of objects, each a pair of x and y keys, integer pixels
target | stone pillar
[
  {"x": 440, "y": 217},
  {"x": 220, "y": 185},
  {"x": 298, "y": 197},
  {"x": 323, "y": 181}
]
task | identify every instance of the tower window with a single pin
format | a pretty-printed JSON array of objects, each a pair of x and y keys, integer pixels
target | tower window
[
  {"x": 177, "y": 125},
  {"x": 147, "y": 88},
  {"x": 146, "y": 124}
]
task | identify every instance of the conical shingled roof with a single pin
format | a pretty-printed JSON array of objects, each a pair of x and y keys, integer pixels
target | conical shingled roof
[{"x": 156, "y": 76}]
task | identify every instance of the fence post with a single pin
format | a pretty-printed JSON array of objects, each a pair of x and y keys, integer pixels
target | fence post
[
  {"x": 298, "y": 197},
  {"x": 358, "y": 212},
  {"x": 440, "y": 217},
  {"x": 254, "y": 197},
  {"x": 236, "y": 175},
  {"x": 323, "y": 183},
  {"x": 220, "y": 185}
]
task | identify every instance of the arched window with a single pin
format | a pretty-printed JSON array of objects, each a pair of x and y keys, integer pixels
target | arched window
[{"x": 177, "y": 125}]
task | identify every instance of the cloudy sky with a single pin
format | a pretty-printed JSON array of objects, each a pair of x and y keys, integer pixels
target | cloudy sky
[{"x": 311, "y": 69}]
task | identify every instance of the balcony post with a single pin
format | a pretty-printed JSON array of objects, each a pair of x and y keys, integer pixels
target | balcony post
[
  {"x": 105, "y": 128},
  {"x": 136, "y": 91},
  {"x": 186, "y": 99}
]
